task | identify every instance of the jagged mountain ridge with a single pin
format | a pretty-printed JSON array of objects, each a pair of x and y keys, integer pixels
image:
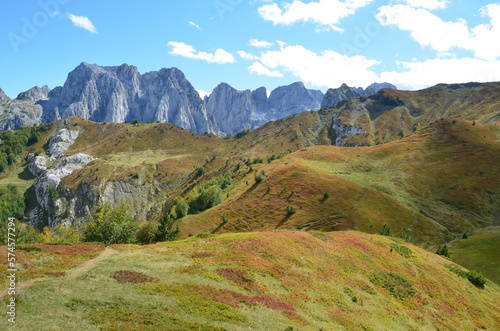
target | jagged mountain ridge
[
  {"x": 334, "y": 96},
  {"x": 15, "y": 113},
  {"x": 121, "y": 94}
]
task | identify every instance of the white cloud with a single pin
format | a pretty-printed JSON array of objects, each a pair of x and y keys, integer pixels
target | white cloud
[
  {"x": 195, "y": 25},
  {"x": 323, "y": 12},
  {"x": 417, "y": 75},
  {"x": 331, "y": 69},
  {"x": 260, "y": 43},
  {"x": 485, "y": 37},
  {"x": 281, "y": 43},
  {"x": 247, "y": 56},
  {"x": 427, "y": 4},
  {"x": 82, "y": 22},
  {"x": 203, "y": 94},
  {"x": 259, "y": 69},
  {"x": 220, "y": 56},
  {"x": 429, "y": 30},
  {"x": 328, "y": 69},
  {"x": 426, "y": 28}
]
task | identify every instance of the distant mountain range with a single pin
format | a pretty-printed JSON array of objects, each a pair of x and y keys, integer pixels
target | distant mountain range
[{"x": 121, "y": 94}]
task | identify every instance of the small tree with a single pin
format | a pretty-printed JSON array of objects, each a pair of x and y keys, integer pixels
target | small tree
[
  {"x": 443, "y": 251},
  {"x": 110, "y": 225},
  {"x": 166, "y": 230},
  {"x": 181, "y": 207},
  {"x": 290, "y": 211},
  {"x": 147, "y": 233}
]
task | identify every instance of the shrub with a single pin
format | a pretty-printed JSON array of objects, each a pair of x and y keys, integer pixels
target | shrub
[
  {"x": 259, "y": 178},
  {"x": 28, "y": 248},
  {"x": 443, "y": 251},
  {"x": 397, "y": 285},
  {"x": 181, "y": 207},
  {"x": 46, "y": 235},
  {"x": 326, "y": 196},
  {"x": 290, "y": 211},
  {"x": 204, "y": 235},
  {"x": 65, "y": 235},
  {"x": 11, "y": 203},
  {"x": 207, "y": 197},
  {"x": 476, "y": 278},
  {"x": 386, "y": 230},
  {"x": 146, "y": 234},
  {"x": 111, "y": 225},
  {"x": 465, "y": 235},
  {"x": 25, "y": 234},
  {"x": 242, "y": 133}
]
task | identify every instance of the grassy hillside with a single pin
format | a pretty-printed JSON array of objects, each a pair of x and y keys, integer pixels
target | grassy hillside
[
  {"x": 428, "y": 187},
  {"x": 263, "y": 281},
  {"x": 391, "y": 114},
  {"x": 479, "y": 252}
]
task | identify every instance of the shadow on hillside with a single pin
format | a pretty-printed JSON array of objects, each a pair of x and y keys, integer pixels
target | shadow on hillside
[
  {"x": 250, "y": 190},
  {"x": 26, "y": 174},
  {"x": 217, "y": 229},
  {"x": 283, "y": 221}
]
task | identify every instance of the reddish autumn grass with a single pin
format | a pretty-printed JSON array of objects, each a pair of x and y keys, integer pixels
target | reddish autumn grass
[
  {"x": 236, "y": 299},
  {"x": 127, "y": 276},
  {"x": 51, "y": 260}
]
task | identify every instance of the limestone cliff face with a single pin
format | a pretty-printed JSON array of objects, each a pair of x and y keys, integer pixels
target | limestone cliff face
[
  {"x": 121, "y": 94},
  {"x": 231, "y": 109},
  {"x": 291, "y": 99},
  {"x": 16, "y": 113},
  {"x": 234, "y": 110},
  {"x": 50, "y": 206},
  {"x": 58, "y": 204}
]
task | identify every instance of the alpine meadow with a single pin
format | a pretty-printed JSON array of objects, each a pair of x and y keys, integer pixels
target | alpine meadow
[{"x": 342, "y": 174}]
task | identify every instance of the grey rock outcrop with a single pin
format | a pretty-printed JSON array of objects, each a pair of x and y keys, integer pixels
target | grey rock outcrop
[
  {"x": 343, "y": 131},
  {"x": 335, "y": 95},
  {"x": 49, "y": 205},
  {"x": 16, "y": 113},
  {"x": 35, "y": 94},
  {"x": 60, "y": 142},
  {"x": 37, "y": 164}
]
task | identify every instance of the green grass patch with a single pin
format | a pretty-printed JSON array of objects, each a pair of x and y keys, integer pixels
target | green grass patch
[
  {"x": 479, "y": 252},
  {"x": 398, "y": 286}
]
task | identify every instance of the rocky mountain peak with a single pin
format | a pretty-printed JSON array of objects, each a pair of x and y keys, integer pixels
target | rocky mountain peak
[
  {"x": 35, "y": 94},
  {"x": 335, "y": 95}
]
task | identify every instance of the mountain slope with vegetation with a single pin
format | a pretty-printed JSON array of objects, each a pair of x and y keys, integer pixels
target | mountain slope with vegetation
[
  {"x": 429, "y": 187},
  {"x": 264, "y": 281}
]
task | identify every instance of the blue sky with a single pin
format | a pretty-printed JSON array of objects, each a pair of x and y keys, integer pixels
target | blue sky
[{"x": 324, "y": 43}]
